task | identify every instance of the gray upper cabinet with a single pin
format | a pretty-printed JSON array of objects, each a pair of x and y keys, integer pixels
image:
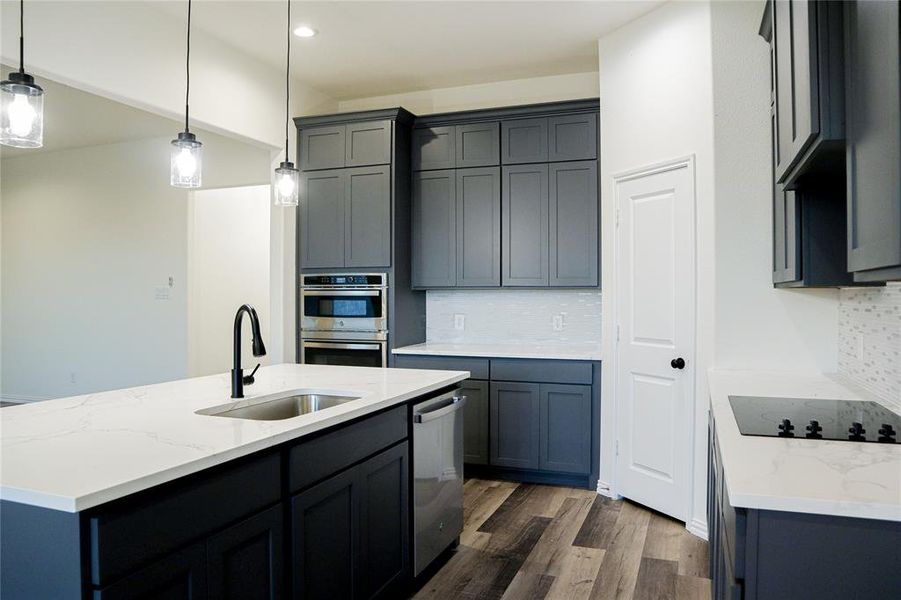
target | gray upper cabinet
[
  {"x": 786, "y": 236},
  {"x": 524, "y": 141},
  {"x": 434, "y": 234},
  {"x": 565, "y": 428},
  {"x": 368, "y": 144},
  {"x": 573, "y": 222},
  {"x": 322, "y": 147},
  {"x": 322, "y": 218},
  {"x": 478, "y": 227},
  {"x": 367, "y": 217},
  {"x": 477, "y": 145},
  {"x": 573, "y": 137},
  {"x": 515, "y": 425},
  {"x": 525, "y": 225},
  {"x": 874, "y": 140},
  {"x": 434, "y": 148}
]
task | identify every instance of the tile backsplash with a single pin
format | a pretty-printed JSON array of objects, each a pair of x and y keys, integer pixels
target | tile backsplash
[
  {"x": 869, "y": 339},
  {"x": 493, "y": 316}
]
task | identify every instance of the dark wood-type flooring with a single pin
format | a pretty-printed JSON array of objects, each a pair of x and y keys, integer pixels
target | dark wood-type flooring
[{"x": 524, "y": 541}]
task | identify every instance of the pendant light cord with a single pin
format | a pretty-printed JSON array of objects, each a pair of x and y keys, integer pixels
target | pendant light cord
[
  {"x": 22, "y": 36},
  {"x": 288, "y": 83},
  {"x": 188, "y": 68}
]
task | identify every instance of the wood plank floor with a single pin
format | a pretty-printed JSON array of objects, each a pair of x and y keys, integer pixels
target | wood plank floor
[{"x": 523, "y": 541}]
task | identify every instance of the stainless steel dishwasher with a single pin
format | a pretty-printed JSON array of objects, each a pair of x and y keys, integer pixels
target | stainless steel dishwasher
[{"x": 437, "y": 476}]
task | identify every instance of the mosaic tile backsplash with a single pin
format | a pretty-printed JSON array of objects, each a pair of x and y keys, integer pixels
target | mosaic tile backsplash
[
  {"x": 500, "y": 316},
  {"x": 869, "y": 339}
]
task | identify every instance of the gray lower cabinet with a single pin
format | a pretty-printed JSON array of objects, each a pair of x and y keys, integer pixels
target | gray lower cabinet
[
  {"x": 565, "y": 428},
  {"x": 475, "y": 422},
  {"x": 346, "y": 218},
  {"x": 874, "y": 139},
  {"x": 524, "y": 209},
  {"x": 574, "y": 225},
  {"x": 245, "y": 562},
  {"x": 478, "y": 223},
  {"x": 515, "y": 425},
  {"x": 179, "y": 576},
  {"x": 350, "y": 532},
  {"x": 434, "y": 229}
]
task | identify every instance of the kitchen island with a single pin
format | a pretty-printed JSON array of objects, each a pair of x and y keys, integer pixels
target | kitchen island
[{"x": 109, "y": 494}]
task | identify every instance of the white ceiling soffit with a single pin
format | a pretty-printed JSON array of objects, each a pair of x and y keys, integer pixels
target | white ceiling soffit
[{"x": 376, "y": 48}]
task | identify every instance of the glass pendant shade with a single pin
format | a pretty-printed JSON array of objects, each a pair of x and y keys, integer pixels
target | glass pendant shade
[
  {"x": 21, "y": 112},
  {"x": 287, "y": 184},
  {"x": 186, "y": 161}
]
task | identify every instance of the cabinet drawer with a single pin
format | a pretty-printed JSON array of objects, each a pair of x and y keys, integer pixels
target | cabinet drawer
[
  {"x": 136, "y": 532},
  {"x": 477, "y": 367},
  {"x": 316, "y": 459},
  {"x": 541, "y": 371}
]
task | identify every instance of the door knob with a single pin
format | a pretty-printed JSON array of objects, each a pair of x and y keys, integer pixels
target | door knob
[{"x": 677, "y": 363}]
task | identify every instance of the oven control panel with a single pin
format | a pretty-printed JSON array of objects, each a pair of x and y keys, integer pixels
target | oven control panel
[{"x": 343, "y": 279}]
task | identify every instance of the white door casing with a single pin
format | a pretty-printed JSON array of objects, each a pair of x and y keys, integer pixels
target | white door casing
[{"x": 656, "y": 279}]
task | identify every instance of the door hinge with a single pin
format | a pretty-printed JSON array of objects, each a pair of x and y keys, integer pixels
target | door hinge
[
  {"x": 617, "y": 332},
  {"x": 616, "y": 448},
  {"x": 617, "y": 217}
]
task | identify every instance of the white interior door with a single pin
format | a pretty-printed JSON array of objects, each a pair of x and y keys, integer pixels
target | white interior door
[{"x": 655, "y": 299}]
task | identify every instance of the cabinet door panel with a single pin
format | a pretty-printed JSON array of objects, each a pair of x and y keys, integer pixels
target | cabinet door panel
[
  {"x": 525, "y": 226},
  {"x": 524, "y": 141},
  {"x": 245, "y": 560},
  {"x": 179, "y": 576},
  {"x": 797, "y": 85},
  {"x": 874, "y": 135},
  {"x": 368, "y": 144},
  {"x": 515, "y": 425},
  {"x": 322, "y": 218},
  {"x": 574, "y": 226},
  {"x": 477, "y": 145},
  {"x": 573, "y": 137},
  {"x": 324, "y": 538},
  {"x": 478, "y": 227},
  {"x": 475, "y": 422},
  {"x": 434, "y": 148},
  {"x": 565, "y": 428},
  {"x": 434, "y": 229},
  {"x": 384, "y": 518},
  {"x": 367, "y": 217},
  {"x": 322, "y": 148}
]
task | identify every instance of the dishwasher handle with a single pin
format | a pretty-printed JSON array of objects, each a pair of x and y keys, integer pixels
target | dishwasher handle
[{"x": 456, "y": 404}]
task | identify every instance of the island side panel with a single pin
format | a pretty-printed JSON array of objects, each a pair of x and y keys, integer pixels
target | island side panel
[{"x": 41, "y": 552}]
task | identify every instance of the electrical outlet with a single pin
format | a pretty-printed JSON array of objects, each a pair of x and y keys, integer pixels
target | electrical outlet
[
  {"x": 459, "y": 321},
  {"x": 860, "y": 346},
  {"x": 558, "y": 322},
  {"x": 161, "y": 292}
]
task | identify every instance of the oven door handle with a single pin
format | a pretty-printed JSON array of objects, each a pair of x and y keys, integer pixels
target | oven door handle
[
  {"x": 341, "y": 346},
  {"x": 357, "y": 293}
]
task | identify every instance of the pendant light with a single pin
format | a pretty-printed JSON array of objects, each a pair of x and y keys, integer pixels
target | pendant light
[
  {"x": 287, "y": 178},
  {"x": 186, "y": 157},
  {"x": 21, "y": 102}
]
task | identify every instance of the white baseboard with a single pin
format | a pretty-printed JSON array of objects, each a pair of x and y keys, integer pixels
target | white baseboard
[
  {"x": 605, "y": 489},
  {"x": 22, "y": 398},
  {"x": 697, "y": 527}
]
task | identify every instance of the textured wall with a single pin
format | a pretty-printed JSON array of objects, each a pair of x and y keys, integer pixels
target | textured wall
[
  {"x": 869, "y": 339},
  {"x": 514, "y": 316}
]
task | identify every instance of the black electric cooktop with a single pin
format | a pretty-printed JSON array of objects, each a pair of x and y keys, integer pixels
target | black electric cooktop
[{"x": 803, "y": 418}]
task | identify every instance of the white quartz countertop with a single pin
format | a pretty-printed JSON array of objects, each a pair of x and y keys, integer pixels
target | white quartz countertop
[
  {"x": 799, "y": 475},
  {"x": 74, "y": 453},
  {"x": 548, "y": 350}
]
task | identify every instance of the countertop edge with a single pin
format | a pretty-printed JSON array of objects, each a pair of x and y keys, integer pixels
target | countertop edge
[{"x": 116, "y": 492}]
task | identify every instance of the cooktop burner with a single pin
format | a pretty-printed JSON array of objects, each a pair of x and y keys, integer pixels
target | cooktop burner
[{"x": 845, "y": 420}]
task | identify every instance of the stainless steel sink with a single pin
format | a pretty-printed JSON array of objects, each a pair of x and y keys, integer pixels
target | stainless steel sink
[{"x": 277, "y": 408}]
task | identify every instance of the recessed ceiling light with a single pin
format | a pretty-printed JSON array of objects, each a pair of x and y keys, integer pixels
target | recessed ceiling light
[{"x": 305, "y": 31}]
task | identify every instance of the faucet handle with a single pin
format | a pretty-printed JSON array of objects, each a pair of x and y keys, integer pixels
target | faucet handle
[{"x": 248, "y": 379}]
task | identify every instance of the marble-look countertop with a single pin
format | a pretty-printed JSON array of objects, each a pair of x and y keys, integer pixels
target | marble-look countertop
[
  {"x": 546, "y": 350},
  {"x": 799, "y": 475},
  {"x": 74, "y": 453}
]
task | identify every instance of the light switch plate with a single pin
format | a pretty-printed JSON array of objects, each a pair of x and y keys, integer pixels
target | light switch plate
[
  {"x": 459, "y": 321},
  {"x": 558, "y": 322}
]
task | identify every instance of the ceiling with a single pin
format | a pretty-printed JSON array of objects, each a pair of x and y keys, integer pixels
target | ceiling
[
  {"x": 376, "y": 48},
  {"x": 75, "y": 119}
]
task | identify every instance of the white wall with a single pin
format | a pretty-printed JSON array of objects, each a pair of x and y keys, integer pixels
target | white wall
[
  {"x": 571, "y": 86},
  {"x": 88, "y": 236},
  {"x": 228, "y": 265},
  {"x": 656, "y": 105},
  {"x": 757, "y": 326}
]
